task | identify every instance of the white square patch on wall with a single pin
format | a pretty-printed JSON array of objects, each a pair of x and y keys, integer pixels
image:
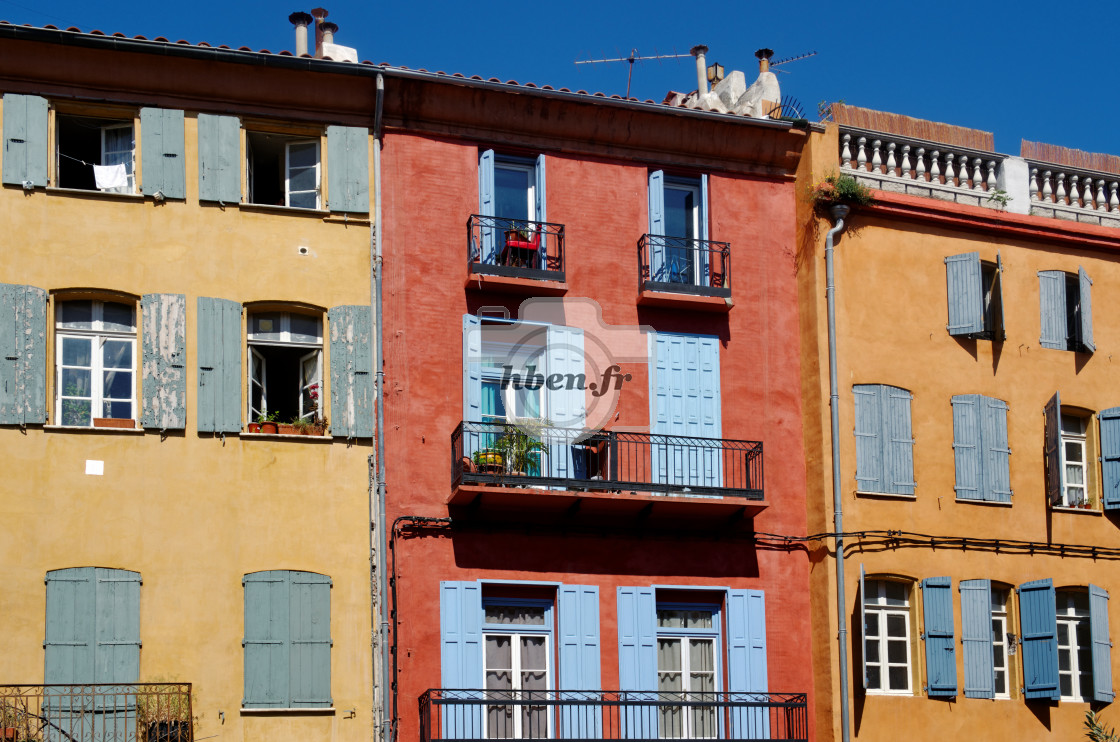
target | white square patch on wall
[{"x": 95, "y": 467}]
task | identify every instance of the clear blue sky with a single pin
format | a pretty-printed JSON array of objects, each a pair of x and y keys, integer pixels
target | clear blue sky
[{"x": 1044, "y": 72}]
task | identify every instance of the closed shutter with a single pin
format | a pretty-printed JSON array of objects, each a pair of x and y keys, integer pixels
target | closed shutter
[
  {"x": 685, "y": 392},
  {"x": 25, "y": 140},
  {"x": 996, "y": 452},
  {"x": 963, "y": 284},
  {"x": 869, "y": 438},
  {"x": 486, "y": 207},
  {"x": 967, "y": 447},
  {"x": 1102, "y": 645},
  {"x": 267, "y": 633},
  {"x": 219, "y": 158},
  {"x": 309, "y": 624},
  {"x": 566, "y": 407},
  {"x": 656, "y": 245},
  {"x": 1055, "y": 459},
  {"x": 70, "y": 630},
  {"x": 1039, "y": 636},
  {"x": 1110, "y": 457},
  {"x": 219, "y": 365},
  {"x": 746, "y": 661},
  {"x": 348, "y": 168},
  {"x": 117, "y": 640},
  {"x": 1086, "y": 305},
  {"x": 351, "y": 371},
  {"x": 461, "y": 668},
  {"x": 163, "y": 360},
  {"x": 637, "y": 660},
  {"x": 162, "y": 142},
  {"x": 1052, "y": 308},
  {"x": 898, "y": 454},
  {"x": 976, "y": 639},
  {"x": 941, "y": 653},
  {"x": 23, "y": 355},
  {"x": 579, "y": 660}
]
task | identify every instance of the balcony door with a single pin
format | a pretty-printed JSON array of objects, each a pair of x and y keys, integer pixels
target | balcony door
[{"x": 685, "y": 410}]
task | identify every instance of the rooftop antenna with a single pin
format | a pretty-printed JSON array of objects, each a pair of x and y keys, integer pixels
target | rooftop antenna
[
  {"x": 806, "y": 55},
  {"x": 634, "y": 57}
]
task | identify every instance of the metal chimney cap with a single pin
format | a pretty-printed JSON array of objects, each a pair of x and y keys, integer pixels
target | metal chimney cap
[
  {"x": 764, "y": 53},
  {"x": 330, "y": 27},
  {"x": 300, "y": 19},
  {"x": 698, "y": 49},
  {"x": 319, "y": 13}
]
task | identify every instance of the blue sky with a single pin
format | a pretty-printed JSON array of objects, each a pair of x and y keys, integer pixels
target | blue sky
[{"x": 1026, "y": 70}]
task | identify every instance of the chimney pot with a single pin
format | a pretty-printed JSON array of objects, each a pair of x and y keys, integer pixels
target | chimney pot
[
  {"x": 320, "y": 14},
  {"x": 764, "y": 59},
  {"x": 300, "y": 21},
  {"x": 699, "y": 51}
]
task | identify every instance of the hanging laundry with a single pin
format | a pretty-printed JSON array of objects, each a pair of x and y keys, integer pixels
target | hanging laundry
[{"x": 110, "y": 176}]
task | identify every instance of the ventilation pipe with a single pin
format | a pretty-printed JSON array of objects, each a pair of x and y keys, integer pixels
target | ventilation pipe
[
  {"x": 300, "y": 21},
  {"x": 320, "y": 14},
  {"x": 328, "y": 33},
  {"x": 699, "y": 51}
]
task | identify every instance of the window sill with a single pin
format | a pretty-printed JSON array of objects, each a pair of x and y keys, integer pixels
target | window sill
[
  {"x": 286, "y": 437},
  {"x": 892, "y": 693},
  {"x": 293, "y": 210},
  {"x": 91, "y": 429},
  {"x": 667, "y": 298},
  {"x": 991, "y": 503},
  {"x": 1077, "y": 511},
  {"x": 288, "y": 711},
  {"x": 885, "y": 495},
  {"x": 51, "y": 190}
]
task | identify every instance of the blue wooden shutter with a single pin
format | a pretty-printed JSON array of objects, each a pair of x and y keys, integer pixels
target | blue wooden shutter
[
  {"x": 541, "y": 202},
  {"x": 70, "y": 630},
  {"x": 1052, "y": 309},
  {"x": 941, "y": 652},
  {"x": 704, "y": 212},
  {"x": 117, "y": 621},
  {"x": 219, "y": 158},
  {"x": 1110, "y": 457},
  {"x": 163, "y": 359},
  {"x": 266, "y": 643},
  {"x": 976, "y": 639},
  {"x": 998, "y": 330},
  {"x": 219, "y": 365},
  {"x": 656, "y": 244},
  {"x": 566, "y": 407},
  {"x": 579, "y": 659},
  {"x": 25, "y": 139},
  {"x": 472, "y": 368},
  {"x": 996, "y": 452},
  {"x": 1086, "y": 303},
  {"x": 348, "y": 168},
  {"x": 351, "y": 413},
  {"x": 963, "y": 284},
  {"x": 1055, "y": 457},
  {"x": 461, "y": 668},
  {"x": 1039, "y": 636},
  {"x": 309, "y": 651},
  {"x": 686, "y": 398},
  {"x": 23, "y": 355},
  {"x": 898, "y": 452},
  {"x": 1102, "y": 645},
  {"x": 869, "y": 438},
  {"x": 163, "y": 158},
  {"x": 863, "y": 622},
  {"x": 486, "y": 205},
  {"x": 967, "y": 449},
  {"x": 746, "y": 661},
  {"x": 637, "y": 660}
]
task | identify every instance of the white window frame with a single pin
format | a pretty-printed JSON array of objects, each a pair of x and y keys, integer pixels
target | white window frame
[
  {"x": 877, "y": 603},
  {"x": 97, "y": 335},
  {"x": 544, "y": 630},
  {"x": 688, "y": 185},
  {"x": 1069, "y": 618},
  {"x": 686, "y": 637},
  {"x": 317, "y": 167},
  {"x": 1000, "y": 622},
  {"x": 1080, "y": 440},
  {"x": 255, "y": 360},
  {"x": 530, "y": 170},
  {"x": 130, "y": 165}
]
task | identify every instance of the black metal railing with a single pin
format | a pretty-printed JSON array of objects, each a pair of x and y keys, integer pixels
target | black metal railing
[
  {"x": 462, "y": 715},
  {"x": 684, "y": 266},
  {"x": 515, "y": 247},
  {"x": 131, "y": 712},
  {"x": 536, "y": 456}
]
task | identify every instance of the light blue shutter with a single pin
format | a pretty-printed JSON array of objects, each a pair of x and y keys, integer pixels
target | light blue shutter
[
  {"x": 1052, "y": 308},
  {"x": 541, "y": 209},
  {"x": 704, "y": 212},
  {"x": 486, "y": 205},
  {"x": 25, "y": 139},
  {"x": 637, "y": 661},
  {"x": 579, "y": 660},
  {"x": 1110, "y": 457},
  {"x": 162, "y": 142},
  {"x": 1055, "y": 458},
  {"x": 941, "y": 653},
  {"x": 351, "y": 371},
  {"x": 461, "y": 668},
  {"x": 163, "y": 360},
  {"x": 23, "y": 355},
  {"x": 996, "y": 452},
  {"x": 219, "y": 158},
  {"x": 869, "y": 438},
  {"x": 1086, "y": 285},
  {"x": 963, "y": 284},
  {"x": 863, "y": 622},
  {"x": 219, "y": 365},
  {"x": 967, "y": 446},
  {"x": 117, "y": 647},
  {"x": 1102, "y": 645},
  {"x": 685, "y": 392},
  {"x": 1039, "y": 636},
  {"x": 976, "y": 639},
  {"x": 472, "y": 368},
  {"x": 309, "y": 650},
  {"x": 70, "y": 630},
  {"x": 348, "y": 168},
  {"x": 656, "y": 246},
  {"x": 266, "y": 643},
  {"x": 746, "y": 661},
  {"x": 898, "y": 454},
  {"x": 566, "y": 407}
]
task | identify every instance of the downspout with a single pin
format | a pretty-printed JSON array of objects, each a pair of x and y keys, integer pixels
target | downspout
[{"x": 837, "y": 212}]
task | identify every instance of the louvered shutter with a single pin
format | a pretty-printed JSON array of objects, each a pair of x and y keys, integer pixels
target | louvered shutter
[
  {"x": 309, "y": 623},
  {"x": 967, "y": 453},
  {"x": 163, "y": 163},
  {"x": 351, "y": 413},
  {"x": 746, "y": 660},
  {"x": 219, "y": 158},
  {"x": 1052, "y": 308},
  {"x": 963, "y": 285},
  {"x": 348, "y": 168},
  {"x": 163, "y": 360},
  {"x": 25, "y": 140},
  {"x": 898, "y": 455},
  {"x": 1055, "y": 458},
  {"x": 219, "y": 365},
  {"x": 267, "y": 633},
  {"x": 656, "y": 244},
  {"x": 637, "y": 660},
  {"x": 486, "y": 206},
  {"x": 1039, "y": 637},
  {"x": 566, "y": 407},
  {"x": 941, "y": 654},
  {"x": 461, "y": 667},
  {"x": 579, "y": 660},
  {"x": 1086, "y": 304},
  {"x": 1102, "y": 645},
  {"x": 976, "y": 639},
  {"x": 996, "y": 452},
  {"x": 23, "y": 355},
  {"x": 1110, "y": 457},
  {"x": 541, "y": 205}
]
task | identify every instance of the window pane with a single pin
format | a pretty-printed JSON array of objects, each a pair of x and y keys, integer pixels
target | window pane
[
  {"x": 534, "y": 655},
  {"x": 117, "y": 317},
  {"x": 304, "y": 200},
  {"x": 118, "y": 410},
  {"x": 75, "y": 382},
  {"x": 701, "y": 656},
  {"x": 896, "y": 651},
  {"x": 117, "y": 384},
  {"x": 896, "y": 626},
  {"x": 511, "y": 192},
  {"x": 670, "y": 619},
  {"x": 871, "y": 650},
  {"x": 303, "y": 155},
  {"x": 304, "y": 328},
  {"x": 896, "y": 593},
  {"x": 680, "y": 206},
  {"x": 1073, "y": 454},
  {"x": 76, "y": 315},
  {"x": 498, "y": 652},
  {"x": 873, "y": 623},
  {"x": 873, "y": 677},
  {"x": 699, "y": 619},
  {"x": 898, "y": 678},
  {"x": 668, "y": 654},
  {"x": 302, "y": 179},
  {"x": 76, "y": 352},
  {"x": 515, "y": 614},
  {"x": 76, "y": 412},
  {"x": 265, "y": 326},
  {"x": 117, "y": 354}
]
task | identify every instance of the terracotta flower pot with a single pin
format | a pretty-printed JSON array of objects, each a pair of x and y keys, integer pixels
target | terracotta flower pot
[
  {"x": 113, "y": 422},
  {"x": 270, "y": 427},
  {"x": 254, "y": 427}
]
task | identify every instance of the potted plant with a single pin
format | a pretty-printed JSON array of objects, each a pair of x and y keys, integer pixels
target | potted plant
[
  {"x": 163, "y": 716},
  {"x": 268, "y": 422},
  {"x": 522, "y": 449},
  {"x": 839, "y": 190}
]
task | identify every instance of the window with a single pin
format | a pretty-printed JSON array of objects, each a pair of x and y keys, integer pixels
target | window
[
  {"x": 975, "y": 296},
  {"x": 1066, "y": 310},
  {"x": 285, "y": 365},
  {"x": 287, "y": 640},
  {"x": 283, "y": 170},
  {"x": 95, "y": 351},
  {"x": 96, "y": 154},
  {"x": 510, "y": 231},
  {"x": 687, "y": 669},
  {"x": 517, "y": 639},
  {"x": 980, "y": 448},
  {"x": 986, "y": 639},
  {"x": 678, "y": 225},
  {"x": 511, "y": 187},
  {"x": 886, "y": 636},
  {"x": 1068, "y": 453},
  {"x": 884, "y": 442},
  {"x": 1075, "y": 660},
  {"x": 1002, "y": 646}
]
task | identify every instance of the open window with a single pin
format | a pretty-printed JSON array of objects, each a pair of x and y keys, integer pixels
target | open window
[
  {"x": 95, "y": 363},
  {"x": 887, "y": 639},
  {"x": 1066, "y": 310},
  {"x": 95, "y": 154},
  {"x": 283, "y": 170},
  {"x": 1070, "y": 446},
  {"x": 975, "y": 296},
  {"x": 285, "y": 366}
]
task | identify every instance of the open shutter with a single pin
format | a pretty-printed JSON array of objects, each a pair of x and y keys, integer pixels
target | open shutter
[
  {"x": 941, "y": 652},
  {"x": 70, "y": 631},
  {"x": 579, "y": 660},
  {"x": 637, "y": 660},
  {"x": 348, "y": 168},
  {"x": 1038, "y": 626},
  {"x": 219, "y": 158},
  {"x": 351, "y": 412},
  {"x": 996, "y": 453},
  {"x": 25, "y": 140},
  {"x": 869, "y": 439},
  {"x": 976, "y": 639},
  {"x": 566, "y": 407},
  {"x": 472, "y": 368},
  {"x": 963, "y": 284},
  {"x": 999, "y": 332},
  {"x": 486, "y": 206},
  {"x": 117, "y": 637},
  {"x": 309, "y": 624},
  {"x": 541, "y": 206},
  {"x": 1086, "y": 304},
  {"x": 898, "y": 452},
  {"x": 746, "y": 660},
  {"x": 461, "y": 668},
  {"x": 219, "y": 365},
  {"x": 1052, "y": 308},
  {"x": 863, "y": 622},
  {"x": 703, "y": 208},
  {"x": 967, "y": 447},
  {"x": 162, "y": 141},
  {"x": 656, "y": 243},
  {"x": 1110, "y": 457},
  {"x": 1055, "y": 458},
  {"x": 266, "y": 643},
  {"x": 1102, "y": 645},
  {"x": 23, "y": 355},
  {"x": 163, "y": 360}
]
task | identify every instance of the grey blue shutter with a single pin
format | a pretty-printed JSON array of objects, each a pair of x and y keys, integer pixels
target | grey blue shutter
[
  {"x": 541, "y": 208},
  {"x": 70, "y": 630},
  {"x": 23, "y": 355},
  {"x": 963, "y": 284},
  {"x": 163, "y": 157},
  {"x": 685, "y": 400},
  {"x": 941, "y": 651},
  {"x": 999, "y": 332},
  {"x": 579, "y": 660},
  {"x": 746, "y": 660},
  {"x": 351, "y": 371},
  {"x": 1052, "y": 309},
  {"x": 309, "y": 624},
  {"x": 869, "y": 438},
  {"x": 472, "y": 370},
  {"x": 967, "y": 453},
  {"x": 996, "y": 453},
  {"x": 348, "y": 168},
  {"x": 117, "y": 640},
  {"x": 461, "y": 668},
  {"x": 219, "y": 365},
  {"x": 1038, "y": 626},
  {"x": 656, "y": 245},
  {"x": 219, "y": 158},
  {"x": 1055, "y": 457},
  {"x": 1086, "y": 303},
  {"x": 266, "y": 642},
  {"x": 566, "y": 412},
  {"x": 863, "y": 622},
  {"x": 25, "y": 140},
  {"x": 1110, "y": 457},
  {"x": 486, "y": 205},
  {"x": 637, "y": 660},
  {"x": 704, "y": 212},
  {"x": 1102, "y": 645},
  {"x": 898, "y": 453},
  {"x": 976, "y": 639},
  {"x": 163, "y": 359}
]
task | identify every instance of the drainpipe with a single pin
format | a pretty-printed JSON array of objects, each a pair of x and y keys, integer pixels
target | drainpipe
[{"x": 837, "y": 212}]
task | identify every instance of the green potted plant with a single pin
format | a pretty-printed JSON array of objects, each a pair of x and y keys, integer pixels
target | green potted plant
[
  {"x": 269, "y": 422},
  {"x": 163, "y": 714},
  {"x": 839, "y": 190},
  {"x": 522, "y": 450}
]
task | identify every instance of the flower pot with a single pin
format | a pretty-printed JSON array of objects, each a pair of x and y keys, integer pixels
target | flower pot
[
  {"x": 287, "y": 429},
  {"x": 270, "y": 427},
  {"x": 113, "y": 422},
  {"x": 254, "y": 427}
]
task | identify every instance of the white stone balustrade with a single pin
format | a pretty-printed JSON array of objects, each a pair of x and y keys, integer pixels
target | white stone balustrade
[{"x": 1072, "y": 193}]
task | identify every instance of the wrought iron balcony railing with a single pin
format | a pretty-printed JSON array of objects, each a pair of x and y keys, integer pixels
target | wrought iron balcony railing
[
  {"x": 515, "y": 248},
  {"x": 684, "y": 266},
  {"x": 471, "y": 715},
  {"x": 131, "y": 712},
  {"x": 503, "y": 453}
]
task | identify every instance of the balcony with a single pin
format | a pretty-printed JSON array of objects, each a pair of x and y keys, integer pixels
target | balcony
[
  {"x": 134, "y": 712},
  {"x": 509, "y": 252},
  {"x": 679, "y": 265},
  {"x": 462, "y": 715}
]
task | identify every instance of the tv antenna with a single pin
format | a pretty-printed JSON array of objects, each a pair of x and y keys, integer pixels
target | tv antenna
[
  {"x": 634, "y": 57},
  {"x": 806, "y": 55}
]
